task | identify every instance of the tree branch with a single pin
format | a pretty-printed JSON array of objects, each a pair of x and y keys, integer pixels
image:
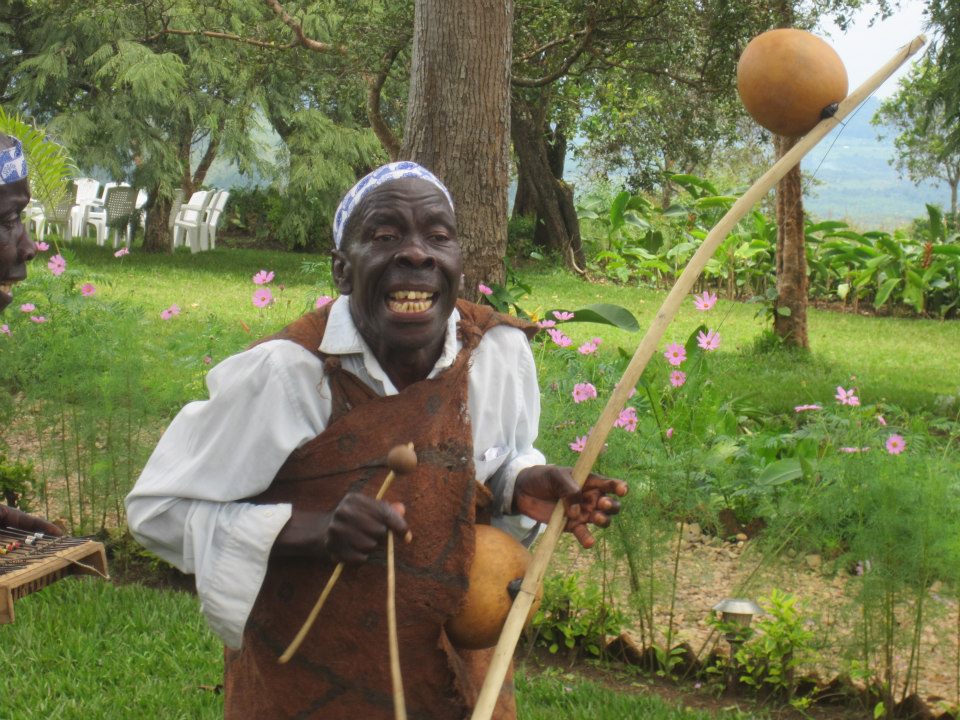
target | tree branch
[
  {"x": 374, "y": 86},
  {"x": 228, "y": 36},
  {"x": 301, "y": 37},
  {"x": 564, "y": 66}
]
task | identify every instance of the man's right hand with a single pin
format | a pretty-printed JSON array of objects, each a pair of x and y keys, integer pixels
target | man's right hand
[
  {"x": 356, "y": 527},
  {"x": 12, "y": 517}
]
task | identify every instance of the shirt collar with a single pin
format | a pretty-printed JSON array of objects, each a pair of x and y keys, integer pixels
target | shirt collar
[{"x": 342, "y": 338}]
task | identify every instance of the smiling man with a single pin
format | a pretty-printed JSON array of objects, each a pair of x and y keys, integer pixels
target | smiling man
[
  {"x": 16, "y": 249},
  {"x": 262, "y": 489}
]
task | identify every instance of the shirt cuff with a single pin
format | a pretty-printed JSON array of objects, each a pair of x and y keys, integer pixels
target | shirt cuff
[
  {"x": 508, "y": 477},
  {"x": 228, "y": 592}
]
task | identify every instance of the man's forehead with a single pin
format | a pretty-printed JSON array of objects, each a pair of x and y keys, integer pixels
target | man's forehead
[{"x": 406, "y": 195}]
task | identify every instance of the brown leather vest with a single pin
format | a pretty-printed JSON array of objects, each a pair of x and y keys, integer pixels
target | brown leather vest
[{"x": 342, "y": 668}]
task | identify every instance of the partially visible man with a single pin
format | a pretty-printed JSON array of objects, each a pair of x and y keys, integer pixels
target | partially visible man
[
  {"x": 16, "y": 249},
  {"x": 262, "y": 489}
]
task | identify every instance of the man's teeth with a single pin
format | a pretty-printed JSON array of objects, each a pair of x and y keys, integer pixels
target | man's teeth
[{"x": 410, "y": 301}]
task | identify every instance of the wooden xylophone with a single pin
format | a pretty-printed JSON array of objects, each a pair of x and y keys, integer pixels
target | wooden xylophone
[{"x": 31, "y": 561}]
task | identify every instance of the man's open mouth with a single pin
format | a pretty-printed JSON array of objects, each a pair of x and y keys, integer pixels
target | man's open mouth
[{"x": 410, "y": 301}]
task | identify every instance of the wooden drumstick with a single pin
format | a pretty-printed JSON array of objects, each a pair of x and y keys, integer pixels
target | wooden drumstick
[{"x": 401, "y": 460}]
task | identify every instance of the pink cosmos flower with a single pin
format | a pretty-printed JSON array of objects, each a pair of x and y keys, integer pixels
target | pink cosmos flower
[
  {"x": 544, "y": 324},
  {"x": 262, "y": 297},
  {"x": 57, "y": 264},
  {"x": 562, "y": 315},
  {"x": 263, "y": 277},
  {"x": 896, "y": 444},
  {"x": 675, "y": 353},
  {"x": 559, "y": 338},
  {"x": 323, "y": 300},
  {"x": 669, "y": 433},
  {"x": 121, "y": 252},
  {"x": 5, "y": 330},
  {"x": 38, "y": 319},
  {"x": 41, "y": 246},
  {"x": 710, "y": 341},
  {"x": 881, "y": 420},
  {"x": 583, "y": 392},
  {"x": 704, "y": 301},
  {"x": 853, "y": 449},
  {"x": 627, "y": 419},
  {"x": 170, "y": 312},
  {"x": 207, "y": 359},
  {"x": 678, "y": 378},
  {"x": 484, "y": 290},
  {"x": 88, "y": 289},
  {"x": 579, "y": 444},
  {"x": 28, "y": 307},
  {"x": 588, "y": 348},
  {"x": 847, "y": 397}
]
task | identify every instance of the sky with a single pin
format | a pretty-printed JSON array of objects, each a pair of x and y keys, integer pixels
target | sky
[{"x": 864, "y": 49}]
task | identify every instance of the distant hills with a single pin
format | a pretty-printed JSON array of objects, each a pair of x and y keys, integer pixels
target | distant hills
[{"x": 857, "y": 182}]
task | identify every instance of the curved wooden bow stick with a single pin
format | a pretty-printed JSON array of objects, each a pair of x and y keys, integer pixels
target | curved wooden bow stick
[{"x": 538, "y": 566}]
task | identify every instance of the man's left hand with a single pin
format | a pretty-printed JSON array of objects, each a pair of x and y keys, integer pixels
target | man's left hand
[{"x": 539, "y": 487}]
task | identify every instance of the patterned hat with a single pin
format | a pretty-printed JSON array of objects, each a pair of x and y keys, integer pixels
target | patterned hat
[
  {"x": 13, "y": 164},
  {"x": 384, "y": 174}
]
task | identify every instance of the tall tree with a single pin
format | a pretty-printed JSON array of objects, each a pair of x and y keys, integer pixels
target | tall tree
[
  {"x": 922, "y": 145},
  {"x": 458, "y": 120},
  {"x": 945, "y": 52}
]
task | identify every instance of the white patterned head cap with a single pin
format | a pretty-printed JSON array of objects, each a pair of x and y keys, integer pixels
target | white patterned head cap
[
  {"x": 13, "y": 164},
  {"x": 380, "y": 176}
]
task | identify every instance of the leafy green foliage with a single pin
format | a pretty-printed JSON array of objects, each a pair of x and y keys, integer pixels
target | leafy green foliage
[
  {"x": 575, "y": 616},
  {"x": 780, "y": 644},
  {"x": 638, "y": 242}
]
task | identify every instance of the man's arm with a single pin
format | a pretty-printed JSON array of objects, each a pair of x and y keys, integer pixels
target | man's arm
[
  {"x": 15, "y": 518},
  {"x": 188, "y": 505}
]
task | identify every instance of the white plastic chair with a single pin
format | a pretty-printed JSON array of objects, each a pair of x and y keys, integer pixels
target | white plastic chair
[
  {"x": 186, "y": 228},
  {"x": 36, "y": 218},
  {"x": 208, "y": 233},
  {"x": 87, "y": 197},
  {"x": 116, "y": 213},
  {"x": 138, "y": 205}
]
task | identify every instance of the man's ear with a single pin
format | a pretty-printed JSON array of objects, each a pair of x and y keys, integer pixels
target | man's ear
[{"x": 341, "y": 273}]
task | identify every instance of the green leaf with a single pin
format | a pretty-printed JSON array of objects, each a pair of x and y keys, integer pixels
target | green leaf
[
  {"x": 781, "y": 471},
  {"x": 784, "y": 311},
  {"x": 607, "y": 314},
  {"x": 883, "y": 294}
]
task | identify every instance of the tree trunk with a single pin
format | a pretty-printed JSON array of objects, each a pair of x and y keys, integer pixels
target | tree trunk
[
  {"x": 558, "y": 228},
  {"x": 790, "y": 307},
  {"x": 458, "y": 121},
  {"x": 156, "y": 233}
]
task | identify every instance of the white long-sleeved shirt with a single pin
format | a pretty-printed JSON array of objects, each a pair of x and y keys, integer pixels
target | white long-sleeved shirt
[{"x": 187, "y": 505}]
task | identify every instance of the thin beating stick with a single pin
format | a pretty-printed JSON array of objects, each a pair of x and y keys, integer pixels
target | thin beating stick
[
  {"x": 595, "y": 440},
  {"x": 308, "y": 623},
  {"x": 399, "y": 704}
]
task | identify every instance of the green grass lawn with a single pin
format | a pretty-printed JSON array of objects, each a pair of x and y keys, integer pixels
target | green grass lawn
[
  {"x": 913, "y": 363},
  {"x": 85, "y": 649}
]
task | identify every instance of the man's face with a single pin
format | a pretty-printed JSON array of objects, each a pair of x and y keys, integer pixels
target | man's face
[
  {"x": 401, "y": 265},
  {"x": 15, "y": 247}
]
